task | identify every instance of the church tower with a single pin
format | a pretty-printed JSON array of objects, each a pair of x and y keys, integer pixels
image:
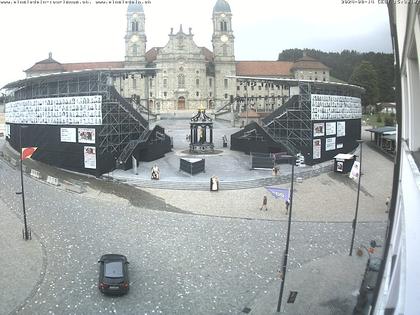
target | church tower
[
  {"x": 135, "y": 38},
  {"x": 224, "y": 53}
]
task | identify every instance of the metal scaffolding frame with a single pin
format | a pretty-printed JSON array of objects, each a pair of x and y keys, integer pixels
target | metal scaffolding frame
[
  {"x": 291, "y": 125},
  {"x": 122, "y": 126}
]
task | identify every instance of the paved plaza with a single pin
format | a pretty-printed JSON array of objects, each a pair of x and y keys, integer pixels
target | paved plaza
[{"x": 190, "y": 251}]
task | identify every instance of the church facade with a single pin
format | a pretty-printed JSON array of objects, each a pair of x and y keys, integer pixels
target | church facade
[{"x": 188, "y": 76}]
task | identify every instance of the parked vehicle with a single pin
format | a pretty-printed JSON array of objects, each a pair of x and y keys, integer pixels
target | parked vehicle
[{"x": 113, "y": 274}]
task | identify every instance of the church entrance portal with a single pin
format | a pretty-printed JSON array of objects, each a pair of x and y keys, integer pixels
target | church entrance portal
[{"x": 181, "y": 102}]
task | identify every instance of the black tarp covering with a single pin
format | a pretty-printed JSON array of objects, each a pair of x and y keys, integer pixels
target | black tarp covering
[
  {"x": 257, "y": 140},
  {"x": 52, "y": 151},
  {"x": 349, "y": 141}
]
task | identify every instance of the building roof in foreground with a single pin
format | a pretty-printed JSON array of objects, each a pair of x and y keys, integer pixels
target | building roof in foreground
[
  {"x": 309, "y": 63},
  {"x": 264, "y": 68}
]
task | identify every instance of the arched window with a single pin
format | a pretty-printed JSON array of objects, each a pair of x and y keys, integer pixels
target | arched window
[
  {"x": 181, "y": 81},
  {"x": 134, "y": 50},
  {"x": 134, "y": 26},
  {"x": 223, "y": 26}
]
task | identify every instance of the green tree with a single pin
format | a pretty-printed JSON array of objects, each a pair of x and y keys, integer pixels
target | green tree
[{"x": 365, "y": 76}]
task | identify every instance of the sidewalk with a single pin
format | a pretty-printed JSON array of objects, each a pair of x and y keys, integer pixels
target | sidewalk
[
  {"x": 22, "y": 262},
  {"x": 317, "y": 292}
]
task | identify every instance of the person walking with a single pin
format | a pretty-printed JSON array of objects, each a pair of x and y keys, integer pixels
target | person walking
[
  {"x": 287, "y": 204},
  {"x": 264, "y": 203}
]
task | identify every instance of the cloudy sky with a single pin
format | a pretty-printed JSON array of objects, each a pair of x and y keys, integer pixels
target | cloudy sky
[{"x": 262, "y": 29}]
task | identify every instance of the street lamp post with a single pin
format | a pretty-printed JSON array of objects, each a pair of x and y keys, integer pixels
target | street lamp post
[
  {"x": 357, "y": 200},
  {"x": 25, "y": 234},
  {"x": 286, "y": 252}
]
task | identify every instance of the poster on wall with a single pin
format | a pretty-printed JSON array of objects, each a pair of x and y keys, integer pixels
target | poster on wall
[
  {"x": 318, "y": 129},
  {"x": 330, "y": 128},
  {"x": 333, "y": 107},
  {"x": 341, "y": 128},
  {"x": 329, "y": 144},
  {"x": 68, "y": 134},
  {"x": 86, "y": 135},
  {"x": 340, "y": 166},
  {"x": 77, "y": 110},
  {"x": 90, "y": 157},
  {"x": 316, "y": 154}
]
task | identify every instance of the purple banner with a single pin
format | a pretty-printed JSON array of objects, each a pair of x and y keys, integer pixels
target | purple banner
[{"x": 278, "y": 193}]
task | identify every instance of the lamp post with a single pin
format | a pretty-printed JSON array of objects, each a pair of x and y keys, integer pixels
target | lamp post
[
  {"x": 286, "y": 252},
  {"x": 25, "y": 234},
  {"x": 357, "y": 200}
]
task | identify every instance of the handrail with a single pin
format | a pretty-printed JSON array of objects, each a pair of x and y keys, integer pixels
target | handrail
[{"x": 128, "y": 107}]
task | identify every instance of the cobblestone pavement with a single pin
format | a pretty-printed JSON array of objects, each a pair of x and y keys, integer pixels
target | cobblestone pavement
[
  {"x": 219, "y": 261},
  {"x": 180, "y": 263}
]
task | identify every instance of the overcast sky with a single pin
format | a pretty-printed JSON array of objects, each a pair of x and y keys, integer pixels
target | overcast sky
[{"x": 262, "y": 29}]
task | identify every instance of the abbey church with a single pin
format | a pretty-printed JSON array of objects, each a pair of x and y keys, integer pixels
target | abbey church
[{"x": 187, "y": 76}]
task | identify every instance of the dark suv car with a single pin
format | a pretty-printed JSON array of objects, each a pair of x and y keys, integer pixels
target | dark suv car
[{"x": 113, "y": 274}]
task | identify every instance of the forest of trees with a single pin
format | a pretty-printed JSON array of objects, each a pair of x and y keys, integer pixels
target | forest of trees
[{"x": 373, "y": 71}]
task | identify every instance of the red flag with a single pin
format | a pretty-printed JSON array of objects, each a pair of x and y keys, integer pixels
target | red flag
[{"x": 27, "y": 152}]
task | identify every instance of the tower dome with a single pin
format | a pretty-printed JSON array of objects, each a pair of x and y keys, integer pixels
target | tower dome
[
  {"x": 135, "y": 8},
  {"x": 221, "y": 6}
]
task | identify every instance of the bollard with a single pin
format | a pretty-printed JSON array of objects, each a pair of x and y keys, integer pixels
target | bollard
[
  {"x": 52, "y": 180},
  {"x": 35, "y": 174}
]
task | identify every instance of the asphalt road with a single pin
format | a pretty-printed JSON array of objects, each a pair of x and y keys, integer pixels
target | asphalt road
[{"x": 179, "y": 263}]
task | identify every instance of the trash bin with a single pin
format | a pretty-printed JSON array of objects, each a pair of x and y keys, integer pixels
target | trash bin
[{"x": 343, "y": 162}]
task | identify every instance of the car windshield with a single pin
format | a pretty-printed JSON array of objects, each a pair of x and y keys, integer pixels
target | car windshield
[{"x": 114, "y": 269}]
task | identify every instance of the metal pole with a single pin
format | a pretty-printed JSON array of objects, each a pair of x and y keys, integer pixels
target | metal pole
[
  {"x": 286, "y": 252},
  {"x": 357, "y": 201},
  {"x": 246, "y": 106},
  {"x": 21, "y": 181}
]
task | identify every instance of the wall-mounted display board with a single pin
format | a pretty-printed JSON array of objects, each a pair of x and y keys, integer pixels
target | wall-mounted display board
[
  {"x": 77, "y": 110},
  {"x": 333, "y": 107}
]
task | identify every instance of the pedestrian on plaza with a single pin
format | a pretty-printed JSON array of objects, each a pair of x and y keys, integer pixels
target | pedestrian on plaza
[
  {"x": 264, "y": 203},
  {"x": 287, "y": 204}
]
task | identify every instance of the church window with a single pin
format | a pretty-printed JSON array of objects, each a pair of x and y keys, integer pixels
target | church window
[
  {"x": 151, "y": 94},
  {"x": 210, "y": 82},
  {"x": 226, "y": 96},
  {"x": 134, "y": 50},
  {"x": 197, "y": 94},
  {"x": 197, "y": 82},
  {"x": 165, "y": 94},
  {"x": 134, "y": 26},
  {"x": 151, "y": 83},
  {"x": 226, "y": 83},
  {"x": 223, "y": 26},
  {"x": 165, "y": 83},
  {"x": 181, "y": 81}
]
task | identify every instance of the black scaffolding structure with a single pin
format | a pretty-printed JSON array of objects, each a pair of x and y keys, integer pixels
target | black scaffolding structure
[{"x": 122, "y": 130}]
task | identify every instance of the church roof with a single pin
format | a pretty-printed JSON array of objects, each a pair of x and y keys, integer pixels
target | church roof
[
  {"x": 135, "y": 7},
  {"x": 307, "y": 62},
  {"x": 47, "y": 65},
  {"x": 50, "y": 65},
  {"x": 92, "y": 65},
  {"x": 221, "y": 6},
  {"x": 264, "y": 68}
]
